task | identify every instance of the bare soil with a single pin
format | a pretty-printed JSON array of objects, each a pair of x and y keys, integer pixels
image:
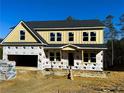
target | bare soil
[{"x": 34, "y": 82}]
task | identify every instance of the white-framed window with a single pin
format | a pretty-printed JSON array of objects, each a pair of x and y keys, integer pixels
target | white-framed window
[
  {"x": 58, "y": 58},
  {"x": 54, "y": 56},
  {"x": 92, "y": 36},
  {"x": 52, "y": 36},
  {"x": 92, "y": 57},
  {"x": 22, "y": 35},
  {"x": 59, "y": 36},
  {"x": 89, "y": 57},
  {"x": 85, "y": 36},
  {"x": 86, "y": 58},
  {"x": 56, "y": 36},
  {"x": 70, "y": 36}
]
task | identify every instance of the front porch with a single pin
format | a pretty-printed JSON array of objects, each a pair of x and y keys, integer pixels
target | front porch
[{"x": 71, "y": 56}]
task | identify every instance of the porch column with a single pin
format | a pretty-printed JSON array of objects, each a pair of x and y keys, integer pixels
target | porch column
[{"x": 82, "y": 56}]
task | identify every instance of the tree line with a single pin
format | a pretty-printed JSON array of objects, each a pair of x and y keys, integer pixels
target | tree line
[{"x": 114, "y": 38}]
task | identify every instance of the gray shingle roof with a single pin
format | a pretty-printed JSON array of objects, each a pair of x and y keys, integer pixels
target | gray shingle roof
[
  {"x": 61, "y": 24},
  {"x": 36, "y": 34},
  {"x": 64, "y": 23}
]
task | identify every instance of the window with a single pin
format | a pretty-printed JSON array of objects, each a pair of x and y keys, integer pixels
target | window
[
  {"x": 52, "y": 36},
  {"x": 55, "y": 36},
  {"x": 71, "y": 36},
  {"x": 93, "y": 57},
  {"x": 58, "y": 56},
  {"x": 55, "y": 56},
  {"x": 93, "y": 36},
  {"x": 52, "y": 56},
  {"x": 59, "y": 36},
  {"x": 22, "y": 35},
  {"x": 90, "y": 56},
  {"x": 85, "y": 36},
  {"x": 85, "y": 57}
]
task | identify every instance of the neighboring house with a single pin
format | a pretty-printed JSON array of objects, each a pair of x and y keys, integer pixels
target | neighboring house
[{"x": 56, "y": 44}]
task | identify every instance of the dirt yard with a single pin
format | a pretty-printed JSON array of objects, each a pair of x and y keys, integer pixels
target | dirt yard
[{"x": 34, "y": 82}]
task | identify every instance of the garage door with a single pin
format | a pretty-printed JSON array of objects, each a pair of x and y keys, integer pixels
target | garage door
[{"x": 24, "y": 60}]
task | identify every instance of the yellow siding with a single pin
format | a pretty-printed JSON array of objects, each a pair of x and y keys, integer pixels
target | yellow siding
[
  {"x": 77, "y": 37},
  {"x": 15, "y": 37}
]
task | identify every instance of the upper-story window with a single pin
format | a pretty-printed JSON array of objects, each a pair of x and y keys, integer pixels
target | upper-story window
[
  {"x": 59, "y": 36},
  {"x": 71, "y": 36},
  {"x": 22, "y": 35},
  {"x": 85, "y": 36},
  {"x": 52, "y": 36},
  {"x": 92, "y": 36}
]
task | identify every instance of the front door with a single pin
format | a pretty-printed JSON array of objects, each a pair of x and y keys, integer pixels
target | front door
[{"x": 71, "y": 59}]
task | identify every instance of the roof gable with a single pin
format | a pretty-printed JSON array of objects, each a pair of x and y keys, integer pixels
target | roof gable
[
  {"x": 69, "y": 48},
  {"x": 70, "y": 45},
  {"x": 37, "y": 35},
  {"x": 14, "y": 34}
]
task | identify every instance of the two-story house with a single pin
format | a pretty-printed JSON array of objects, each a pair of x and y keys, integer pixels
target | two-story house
[{"x": 56, "y": 44}]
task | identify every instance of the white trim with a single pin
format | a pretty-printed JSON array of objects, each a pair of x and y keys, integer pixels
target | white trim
[
  {"x": 69, "y": 36},
  {"x": 89, "y": 57},
  {"x": 27, "y": 27},
  {"x": 89, "y": 36},
  {"x": 55, "y": 55},
  {"x": 31, "y": 31},
  {"x": 85, "y": 36},
  {"x": 70, "y": 45},
  {"x": 55, "y": 36},
  {"x": 20, "y": 35},
  {"x": 68, "y": 28},
  {"x": 73, "y": 45},
  {"x": 93, "y": 36},
  {"x": 92, "y": 48},
  {"x": 11, "y": 32}
]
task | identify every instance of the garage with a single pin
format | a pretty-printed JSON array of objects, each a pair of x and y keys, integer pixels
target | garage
[{"x": 24, "y": 60}]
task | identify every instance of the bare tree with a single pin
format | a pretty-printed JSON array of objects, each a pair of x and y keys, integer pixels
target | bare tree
[
  {"x": 121, "y": 19},
  {"x": 111, "y": 33}
]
